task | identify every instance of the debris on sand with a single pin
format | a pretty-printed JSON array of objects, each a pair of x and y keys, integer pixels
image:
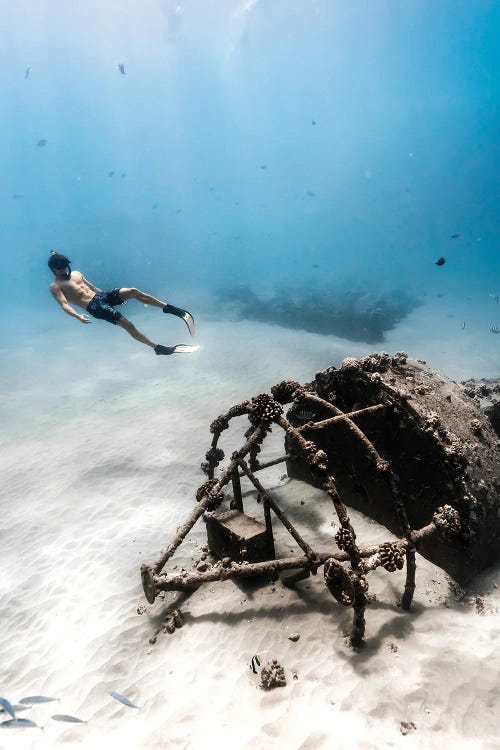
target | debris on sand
[
  {"x": 407, "y": 726},
  {"x": 272, "y": 675}
]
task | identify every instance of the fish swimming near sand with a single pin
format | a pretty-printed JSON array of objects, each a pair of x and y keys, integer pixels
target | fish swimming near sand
[
  {"x": 69, "y": 719},
  {"x": 7, "y": 707},
  {"x": 18, "y": 723},
  {"x": 440, "y": 262},
  {"x": 256, "y": 661},
  {"x": 37, "y": 699},
  {"x": 123, "y": 699},
  {"x": 16, "y": 707},
  {"x": 121, "y": 68},
  {"x": 495, "y": 329},
  {"x": 42, "y": 142}
]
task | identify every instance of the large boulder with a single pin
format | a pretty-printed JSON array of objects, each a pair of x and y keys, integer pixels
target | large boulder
[{"x": 437, "y": 440}]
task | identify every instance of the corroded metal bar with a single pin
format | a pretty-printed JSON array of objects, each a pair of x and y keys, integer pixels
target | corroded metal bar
[
  {"x": 153, "y": 583},
  {"x": 238, "y": 500},
  {"x": 280, "y": 460},
  {"x": 281, "y": 515},
  {"x": 340, "y": 418},
  {"x": 268, "y": 522},
  {"x": 235, "y": 570}
]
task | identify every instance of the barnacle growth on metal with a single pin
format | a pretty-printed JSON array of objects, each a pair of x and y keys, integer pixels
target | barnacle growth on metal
[{"x": 347, "y": 565}]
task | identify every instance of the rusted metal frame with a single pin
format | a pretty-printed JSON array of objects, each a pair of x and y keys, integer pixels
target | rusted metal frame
[
  {"x": 207, "y": 502},
  {"x": 238, "y": 410},
  {"x": 340, "y": 417},
  {"x": 238, "y": 499},
  {"x": 370, "y": 448},
  {"x": 382, "y": 466},
  {"x": 359, "y": 581},
  {"x": 311, "y": 555},
  {"x": 219, "y": 572},
  {"x": 335, "y": 497}
]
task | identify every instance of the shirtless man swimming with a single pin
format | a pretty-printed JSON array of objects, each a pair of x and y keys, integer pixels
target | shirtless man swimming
[{"x": 71, "y": 287}]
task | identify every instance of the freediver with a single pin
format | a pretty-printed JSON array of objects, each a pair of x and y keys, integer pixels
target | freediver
[{"x": 72, "y": 287}]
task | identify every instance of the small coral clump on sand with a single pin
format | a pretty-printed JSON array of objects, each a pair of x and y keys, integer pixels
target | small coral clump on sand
[{"x": 272, "y": 675}]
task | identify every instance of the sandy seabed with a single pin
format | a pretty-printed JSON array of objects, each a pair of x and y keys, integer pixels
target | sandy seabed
[{"x": 100, "y": 460}]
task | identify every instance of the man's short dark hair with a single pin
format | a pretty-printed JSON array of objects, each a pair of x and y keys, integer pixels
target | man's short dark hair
[{"x": 57, "y": 261}]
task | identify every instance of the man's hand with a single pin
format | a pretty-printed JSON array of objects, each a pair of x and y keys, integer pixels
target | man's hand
[{"x": 84, "y": 319}]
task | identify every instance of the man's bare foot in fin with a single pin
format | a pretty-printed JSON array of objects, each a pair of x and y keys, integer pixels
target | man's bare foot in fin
[
  {"x": 179, "y": 349},
  {"x": 184, "y": 314}
]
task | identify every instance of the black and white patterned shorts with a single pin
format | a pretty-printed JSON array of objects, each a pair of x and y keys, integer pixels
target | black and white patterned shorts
[{"x": 102, "y": 306}]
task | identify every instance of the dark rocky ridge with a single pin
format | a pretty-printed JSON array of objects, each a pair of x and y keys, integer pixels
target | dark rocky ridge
[
  {"x": 438, "y": 442},
  {"x": 354, "y": 315}
]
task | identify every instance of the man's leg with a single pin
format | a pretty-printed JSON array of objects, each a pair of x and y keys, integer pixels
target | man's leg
[
  {"x": 158, "y": 348},
  {"x": 132, "y": 331},
  {"x": 133, "y": 293},
  {"x": 126, "y": 293}
]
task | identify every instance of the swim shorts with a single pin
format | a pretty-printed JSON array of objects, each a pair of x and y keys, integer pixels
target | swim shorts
[{"x": 102, "y": 303}]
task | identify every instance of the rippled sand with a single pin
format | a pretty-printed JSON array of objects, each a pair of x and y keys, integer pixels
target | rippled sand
[{"x": 102, "y": 443}]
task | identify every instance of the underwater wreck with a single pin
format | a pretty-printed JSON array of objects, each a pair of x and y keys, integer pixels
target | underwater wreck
[{"x": 384, "y": 434}]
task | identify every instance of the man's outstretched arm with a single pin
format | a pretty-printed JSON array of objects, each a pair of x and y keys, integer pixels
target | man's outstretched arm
[{"x": 61, "y": 300}]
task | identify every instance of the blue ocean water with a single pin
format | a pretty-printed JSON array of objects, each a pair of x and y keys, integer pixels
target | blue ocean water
[{"x": 309, "y": 144}]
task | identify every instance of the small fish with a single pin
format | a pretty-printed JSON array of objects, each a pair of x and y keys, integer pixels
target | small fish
[
  {"x": 263, "y": 166},
  {"x": 8, "y": 707},
  {"x": 26, "y": 75},
  {"x": 37, "y": 699},
  {"x": 155, "y": 205},
  {"x": 455, "y": 236},
  {"x": 313, "y": 122},
  {"x": 462, "y": 325},
  {"x": 16, "y": 196},
  {"x": 495, "y": 297},
  {"x": 255, "y": 662},
  {"x": 179, "y": 211},
  {"x": 16, "y": 707},
  {"x": 123, "y": 175},
  {"x": 18, "y": 723},
  {"x": 440, "y": 262},
  {"x": 315, "y": 265},
  {"x": 110, "y": 174},
  {"x": 123, "y": 699},
  {"x": 121, "y": 68},
  {"x": 495, "y": 329},
  {"x": 66, "y": 717},
  {"x": 311, "y": 194},
  {"x": 42, "y": 142}
]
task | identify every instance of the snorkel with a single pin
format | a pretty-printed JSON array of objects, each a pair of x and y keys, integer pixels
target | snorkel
[{"x": 58, "y": 262}]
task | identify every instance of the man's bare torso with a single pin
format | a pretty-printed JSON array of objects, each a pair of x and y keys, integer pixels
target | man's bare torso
[{"x": 77, "y": 290}]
